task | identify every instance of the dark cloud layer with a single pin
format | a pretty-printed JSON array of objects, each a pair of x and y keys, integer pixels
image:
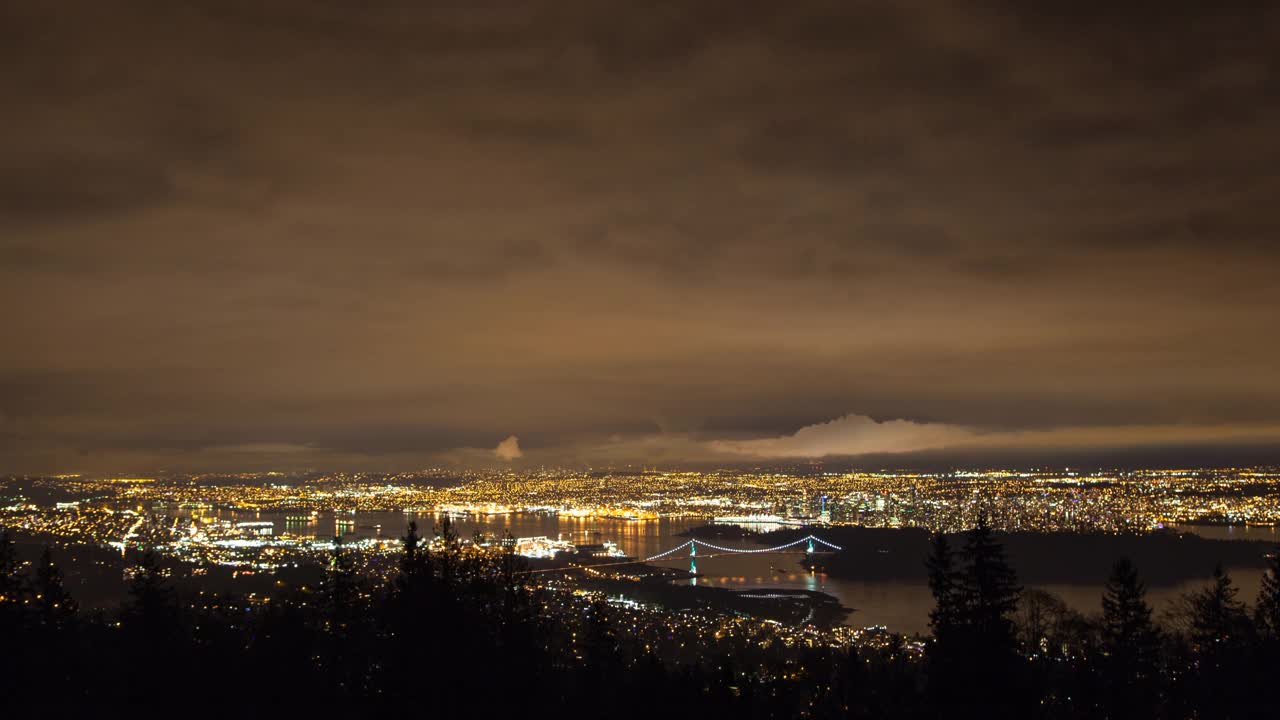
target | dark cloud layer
[{"x": 397, "y": 233}]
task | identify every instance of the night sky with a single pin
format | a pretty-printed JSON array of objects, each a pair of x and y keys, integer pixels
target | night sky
[{"x": 284, "y": 233}]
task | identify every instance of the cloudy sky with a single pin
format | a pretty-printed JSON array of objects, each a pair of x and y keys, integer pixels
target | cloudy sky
[{"x": 321, "y": 233}]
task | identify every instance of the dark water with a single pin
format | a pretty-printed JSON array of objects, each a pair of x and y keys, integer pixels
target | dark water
[
  {"x": 902, "y": 606},
  {"x": 1269, "y": 534}
]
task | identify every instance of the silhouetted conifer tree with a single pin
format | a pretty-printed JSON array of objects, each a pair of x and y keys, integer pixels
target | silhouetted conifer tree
[
  {"x": 1221, "y": 635},
  {"x": 344, "y": 650},
  {"x": 946, "y": 675},
  {"x": 54, "y": 606},
  {"x": 1130, "y": 643},
  {"x": 152, "y": 633},
  {"x": 1266, "y": 662},
  {"x": 944, "y": 583},
  {"x": 415, "y": 565},
  {"x": 12, "y": 590},
  {"x": 340, "y": 590},
  {"x": 1126, "y": 618},
  {"x": 1267, "y": 611},
  {"x": 448, "y": 550},
  {"x": 12, "y": 584},
  {"x": 973, "y": 659},
  {"x": 989, "y": 594},
  {"x": 151, "y": 599},
  {"x": 1218, "y": 620}
]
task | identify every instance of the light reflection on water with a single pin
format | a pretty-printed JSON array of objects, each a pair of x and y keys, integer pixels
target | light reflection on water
[{"x": 902, "y": 606}]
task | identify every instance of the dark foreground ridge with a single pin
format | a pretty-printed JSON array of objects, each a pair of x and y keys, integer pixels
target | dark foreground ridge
[{"x": 458, "y": 630}]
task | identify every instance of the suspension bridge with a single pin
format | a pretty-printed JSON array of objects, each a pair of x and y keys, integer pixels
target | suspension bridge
[
  {"x": 808, "y": 541},
  {"x": 812, "y": 544}
]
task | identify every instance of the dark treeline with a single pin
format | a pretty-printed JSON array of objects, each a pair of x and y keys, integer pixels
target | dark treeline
[
  {"x": 459, "y": 631},
  {"x": 1001, "y": 651}
]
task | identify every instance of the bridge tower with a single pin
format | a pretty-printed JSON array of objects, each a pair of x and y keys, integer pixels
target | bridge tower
[
  {"x": 809, "y": 549},
  {"x": 693, "y": 558}
]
